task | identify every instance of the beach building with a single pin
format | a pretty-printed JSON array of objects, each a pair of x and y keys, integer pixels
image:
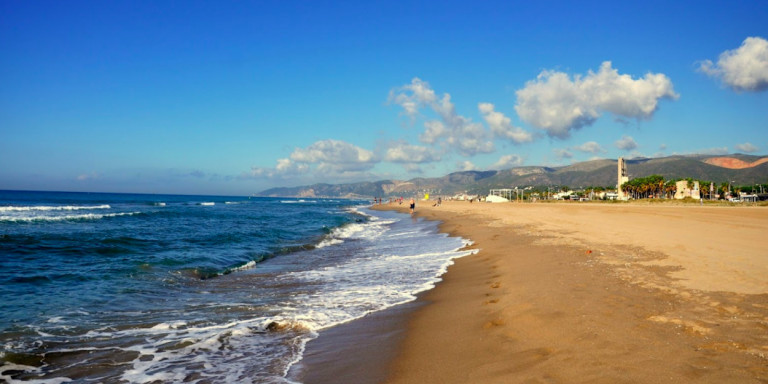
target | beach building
[
  {"x": 683, "y": 191},
  {"x": 565, "y": 195},
  {"x": 499, "y": 195},
  {"x": 622, "y": 178},
  {"x": 748, "y": 198}
]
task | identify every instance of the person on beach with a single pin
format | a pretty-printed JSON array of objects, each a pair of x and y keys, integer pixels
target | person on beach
[{"x": 413, "y": 205}]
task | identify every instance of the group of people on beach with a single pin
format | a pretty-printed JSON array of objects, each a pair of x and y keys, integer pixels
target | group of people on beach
[
  {"x": 377, "y": 201},
  {"x": 412, "y": 202}
]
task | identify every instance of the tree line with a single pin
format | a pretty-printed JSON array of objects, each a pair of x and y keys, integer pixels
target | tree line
[{"x": 654, "y": 186}]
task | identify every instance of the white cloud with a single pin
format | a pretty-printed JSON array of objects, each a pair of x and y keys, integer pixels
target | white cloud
[
  {"x": 412, "y": 96},
  {"x": 433, "y": 132},
  {"x": 508, "y": 161},
  {"x": 288, "y": 167},
  {"x": 746, "y": 148},
  {"x": 470, "y": 139},
  {"x": 322, "y": 158},
  {"x": 636, "y": 155},
  {"x": 744, "y": 68},
  {"x": 501, "y": 126},
  {"x": 713, "y": 151},
  {"x": 451, "y": 131},
  {"x": 626, "y": 143},
  {"x": 412, "y": 168},
  {"x": 555, "y": 103},
  {"x": 332, "y": 152},
  {"x": 590, "y": 147},
  {"x": 406, "y": 153},
  {"x": 88, "y": 176},
  {"x": 466, "y": 166},
  {"x": 661, "y": 152},
  {"x": 285, "y": 168},
  {"x": 562, "y": 153}
]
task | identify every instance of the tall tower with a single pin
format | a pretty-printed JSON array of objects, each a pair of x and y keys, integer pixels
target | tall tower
[{"x": 623, "y": 178}]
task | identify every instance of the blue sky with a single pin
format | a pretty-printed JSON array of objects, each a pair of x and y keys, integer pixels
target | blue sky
[{"x": 236, "y": 97}]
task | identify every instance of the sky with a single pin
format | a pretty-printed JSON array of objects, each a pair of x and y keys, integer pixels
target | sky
[{"x": 231, "y": 98}]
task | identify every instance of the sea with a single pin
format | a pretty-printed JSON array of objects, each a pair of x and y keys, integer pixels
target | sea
[{"x": 107, "y": 288}]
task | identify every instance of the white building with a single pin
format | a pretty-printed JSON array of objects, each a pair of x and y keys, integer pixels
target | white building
[
  {"x": 683, "y": 191},
  {"x": 623, "y": 178}
]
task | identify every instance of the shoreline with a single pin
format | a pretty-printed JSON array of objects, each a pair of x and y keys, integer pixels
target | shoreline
[
  {"x": 591, "y": 293},
  {"x": 367, "y": 345}
]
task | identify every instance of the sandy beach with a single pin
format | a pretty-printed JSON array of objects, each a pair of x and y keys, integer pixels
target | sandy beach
[{"x": 598, "y": 293}]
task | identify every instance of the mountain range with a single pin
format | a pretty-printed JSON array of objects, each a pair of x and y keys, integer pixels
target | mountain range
[{"x": 738, "y": 169}]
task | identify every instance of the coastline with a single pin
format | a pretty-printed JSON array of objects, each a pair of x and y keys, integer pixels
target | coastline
[
  {"x": 632, "y": 294},
  {"x": 546, "y": 301}
]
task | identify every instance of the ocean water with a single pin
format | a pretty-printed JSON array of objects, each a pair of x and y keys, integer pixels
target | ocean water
[{"x": 158, "y": 288}]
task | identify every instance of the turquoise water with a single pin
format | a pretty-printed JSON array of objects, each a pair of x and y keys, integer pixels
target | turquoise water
[{"x": 137, "y": 288}]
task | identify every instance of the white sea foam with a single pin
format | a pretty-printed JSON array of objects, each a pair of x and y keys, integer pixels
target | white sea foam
[
  {"x": 167, "y": 326},
  {"x": 244, "y": 267},
  {"x": 356, "y": 210},
  {"x": 207, "y": 203},
  {"x": 8, "y": 367},
  {"x": 361, "y": 268},
  {"x": 54, "y": 208},
  {"x": 369, "y": 230},
  {"x": 392, "y": 270},
  {"x": 226, "y": 350},
  {"x": 86, "y": 216},
  {"x": 327, "y": 242}
]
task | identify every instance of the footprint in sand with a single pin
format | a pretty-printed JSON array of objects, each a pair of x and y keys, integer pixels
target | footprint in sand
[{"x": 494, "y": 323}]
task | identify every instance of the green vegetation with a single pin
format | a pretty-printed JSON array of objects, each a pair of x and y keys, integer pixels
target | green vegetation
[{"x": 653, "y": 186}]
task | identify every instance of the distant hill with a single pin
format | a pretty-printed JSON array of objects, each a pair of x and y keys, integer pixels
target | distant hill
[{"x": 737, "y": 168}]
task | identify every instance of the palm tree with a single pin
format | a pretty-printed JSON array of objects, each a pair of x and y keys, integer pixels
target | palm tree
[
  {"x": 660, "y": 186},
  {"x": 626, "y": 187},
  {"x": 704, "y": 188},
  {"x": 671, "y": 187},
  {"x": 724, "y": 188}
]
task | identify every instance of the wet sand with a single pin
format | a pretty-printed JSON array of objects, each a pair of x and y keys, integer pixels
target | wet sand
[
  {"x": 598, "y": 293},
  {"x": 575, "y": 293},
  {"x": 356, "y": 352}
]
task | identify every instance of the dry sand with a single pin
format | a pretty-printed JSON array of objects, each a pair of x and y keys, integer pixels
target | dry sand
[{"x": 595, "y": 293}]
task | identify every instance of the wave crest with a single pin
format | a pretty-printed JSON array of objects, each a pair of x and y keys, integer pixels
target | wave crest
[
  {"x": 86, "y": 216},
  {"x": 53, "y": 208}
]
